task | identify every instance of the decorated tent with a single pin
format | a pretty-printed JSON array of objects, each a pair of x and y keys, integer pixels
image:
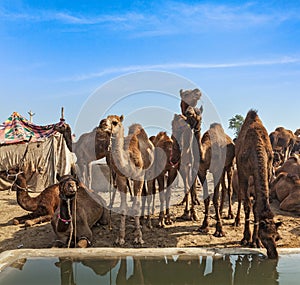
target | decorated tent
[{"x": 47, "y": 153}]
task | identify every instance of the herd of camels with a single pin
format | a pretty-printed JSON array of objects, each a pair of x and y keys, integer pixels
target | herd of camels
[{"x": 257, "y": 166}]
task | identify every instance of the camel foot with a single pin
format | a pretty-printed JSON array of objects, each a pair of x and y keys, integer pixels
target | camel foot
[
  {"x": 119, "y": 241},
  {"x": 236, "y": 223},
  {"x": 58, "y": 244},
  {"x": 168, "y": 221},
  {"x": 219, "y": 234},
  {"x": 83, "y": 243},
  {"x": 29, "y": 223},
  {"x": 186, "y": 216},
  {"x": 203, "y": 230},
  {"x": 194, "y": 215},
  {"x": 16, "y": 222},
  {"x": 161, "y": 224},
  {"x": 138, "y": 241},
  {"x": 245, "y": 242}
]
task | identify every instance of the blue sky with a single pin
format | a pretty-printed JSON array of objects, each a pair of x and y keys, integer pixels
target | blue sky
[{"x": 241, "y": 54}]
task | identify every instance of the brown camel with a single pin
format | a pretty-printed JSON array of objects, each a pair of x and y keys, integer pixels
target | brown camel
[
  {"x": 42, "y": 206},
  {"x": 189, "y": 98},
  {"x": 189, "y": 161},
  {"x": 167, "y": 162},
  {"x": 79, "y": 210},
  {"x": 282, "y": 139},
  {"x": 218, "y": 152},
  {"x": 291, "y": 166},
  {"x": 296, "y": 148},
  {"x": 254, "y": 157},
  {"x": 129, "y": 158},
  {"x": 286, "y": 189}
]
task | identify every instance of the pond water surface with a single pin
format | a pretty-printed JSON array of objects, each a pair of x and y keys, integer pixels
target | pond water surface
[{"x": 226, "y": 269}]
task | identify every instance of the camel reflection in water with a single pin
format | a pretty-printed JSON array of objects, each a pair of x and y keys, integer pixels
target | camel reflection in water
[{"x": 227, "y": 269}]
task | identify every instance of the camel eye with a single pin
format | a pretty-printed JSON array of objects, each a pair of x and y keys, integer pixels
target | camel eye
[{"x": 114, "y": 123}]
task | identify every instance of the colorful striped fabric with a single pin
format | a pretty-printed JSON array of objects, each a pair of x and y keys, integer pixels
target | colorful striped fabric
[{"x": 18, "y": 129}]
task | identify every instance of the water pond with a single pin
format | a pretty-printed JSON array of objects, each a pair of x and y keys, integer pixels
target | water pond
[{"x": 173, "y": 269}]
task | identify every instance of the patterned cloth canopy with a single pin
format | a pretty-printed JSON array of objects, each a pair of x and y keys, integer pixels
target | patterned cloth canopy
[{"x": 17, "y": 129}]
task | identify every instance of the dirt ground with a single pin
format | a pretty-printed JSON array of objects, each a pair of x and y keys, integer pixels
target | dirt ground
[{"x": 180, "y": 234}]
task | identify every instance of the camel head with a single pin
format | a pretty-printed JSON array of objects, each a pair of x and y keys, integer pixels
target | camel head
[
  {"x": 66, "y": 131},
  {"x": 190, "y": 97},
  {"x": 108, "y": 124},
  {"x": 268, "y": 235},
  {"x": 68, "y": 186}
]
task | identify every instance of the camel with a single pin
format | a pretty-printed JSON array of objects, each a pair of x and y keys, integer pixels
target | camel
[
  {"x": 165, "y": 164},
  {"x": 286, "y": 188},
  {"x": 296, "y": 148},
  {"x": 42, "y": 206},
  {"x": 189, "y": 161},
  {"x": 282, "y": 139},
  {"x": 218, "y": 152},
  {"x": 189, "y": 98},
  {"x": 291, "y": 166},
  {"x": 65, "y": 130},
  {"x": 129, "y": 157},
  {"x": 79, "y": 210},
  {"x": 254, "y": 157},
  {"x": 194, "y": 119}
]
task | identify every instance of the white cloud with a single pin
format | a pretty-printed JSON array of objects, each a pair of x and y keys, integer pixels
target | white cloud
[{"x": 182, "y": 65}]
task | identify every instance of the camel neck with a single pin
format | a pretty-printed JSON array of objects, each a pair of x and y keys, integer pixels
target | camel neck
[{"x": 66, "y": 210}]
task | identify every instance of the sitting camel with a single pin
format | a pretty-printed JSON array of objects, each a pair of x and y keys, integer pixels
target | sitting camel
[
  {"x": 77, "y": 213},
  {"x": 286, "y": 188},
  {"x": 291, "y": 166},
  {"x": 218, "y": 152},
  {"x": 42, "y": 206},
  {"x": 254, "y": 158},
  {"x": 284, "y": 140},
  {"x": 129, "y": 158}
]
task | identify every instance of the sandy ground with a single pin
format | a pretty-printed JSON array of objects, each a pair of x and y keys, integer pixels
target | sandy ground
[{"x": 180, "y": 234}]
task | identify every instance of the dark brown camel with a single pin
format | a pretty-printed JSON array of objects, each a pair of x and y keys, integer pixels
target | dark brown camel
[
  {"x": 284, "y": 140},
  {"x": 66, "y": 131},
  {"x": 42, "y": 206},
  {"x": 254, "y": 157},
  {"x": 129, "y": 158},
  {"x": 79, "y": 210},
  {"x": 218, "y": 152},
  {"x": 167, "y": 162}
]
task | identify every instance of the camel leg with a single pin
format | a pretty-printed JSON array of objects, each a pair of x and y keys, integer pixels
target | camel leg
[
  {"x": 171, "y": 177},
  {"x": 122, "y": 187},
  {"x": 223, "y": 193},
  {"x": 138, "y": 185},
  {"x": 243, "y": 187},
  {"x": 237, "y": 221},
  {"x": 202, "y": 177},
  {"x": 229, "y": 192},
  {"x": 161, "y": 219},
  {"x": 41, "y": 219},
  {"x": 185, "y": 175},
  {"x": 219, "y": 231},
  {"x": 193, "y": 194}
]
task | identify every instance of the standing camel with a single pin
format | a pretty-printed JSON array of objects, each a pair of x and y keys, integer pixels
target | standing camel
[
  {"x": 129, "y": 157},
  {"x": 168, "y": 163},
  {"x": 254, "y": 158},
  {"x": 217, "y": 157},
  {"x": 189, "y": 161}
]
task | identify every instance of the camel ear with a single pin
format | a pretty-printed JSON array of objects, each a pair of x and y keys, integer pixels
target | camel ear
[
  {"x": 263, "y": 224},
  {"x": 121, "y": 118},
  {"x": 180, "y": 91}
]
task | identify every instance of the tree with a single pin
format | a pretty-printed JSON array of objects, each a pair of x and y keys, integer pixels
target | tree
[{"x": 235, "y": 123}]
